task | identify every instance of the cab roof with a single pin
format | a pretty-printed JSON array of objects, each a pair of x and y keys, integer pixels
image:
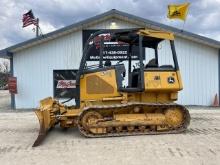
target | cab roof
[{"x": 151, "y": 38}]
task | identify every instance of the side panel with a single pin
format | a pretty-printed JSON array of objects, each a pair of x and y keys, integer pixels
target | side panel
[
  {"x": 98, "y": 85},
  {"x": 161, "y": 81}
]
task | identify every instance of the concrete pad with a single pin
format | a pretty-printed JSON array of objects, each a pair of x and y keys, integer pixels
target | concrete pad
[
  {"x": 18, "y": 130},
  {"x": 199, "y": 145}
]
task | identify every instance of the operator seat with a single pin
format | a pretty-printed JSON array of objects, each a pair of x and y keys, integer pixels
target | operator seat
[
  {"x": 151, "y": 64},
  {"x": 108, "y": 63}
]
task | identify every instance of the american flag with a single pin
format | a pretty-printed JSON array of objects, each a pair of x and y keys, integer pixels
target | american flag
[{"x": 28, "y": 19}]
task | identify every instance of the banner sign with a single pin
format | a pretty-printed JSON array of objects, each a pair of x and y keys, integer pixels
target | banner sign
[
  {"x": 113, "y": 51},
  {"x": 64, "y": 83},
  {"x": 12, "y": 85}
]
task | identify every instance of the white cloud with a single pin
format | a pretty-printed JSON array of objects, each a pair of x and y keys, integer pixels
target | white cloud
[
  {"x": 47, "y": 27},
  {"x": 202, "y": 19},
  {"x": 4, "y": 43}
]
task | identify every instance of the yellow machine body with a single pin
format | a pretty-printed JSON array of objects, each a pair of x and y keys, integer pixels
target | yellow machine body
[
  {"x": 106, "y": 111},
  {"x": 100, "y": 87}
]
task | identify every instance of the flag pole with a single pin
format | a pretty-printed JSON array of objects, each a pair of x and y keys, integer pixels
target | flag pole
[
  {"x": 37, "y": 28},
  {"x": 183, "y": 25}
]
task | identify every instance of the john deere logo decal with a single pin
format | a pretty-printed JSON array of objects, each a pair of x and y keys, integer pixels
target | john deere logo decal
[{"x": 171, "y": 80}]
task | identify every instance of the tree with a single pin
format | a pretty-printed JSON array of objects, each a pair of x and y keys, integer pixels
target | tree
[
  {"x": 4, "y": 74},
  {"x": 5, "y": 67}
]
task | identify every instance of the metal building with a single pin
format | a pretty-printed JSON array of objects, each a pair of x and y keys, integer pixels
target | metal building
[{"x": 34, "y": 61}]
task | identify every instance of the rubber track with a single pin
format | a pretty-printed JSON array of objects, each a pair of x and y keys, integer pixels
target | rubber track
[{"x": 97, "y": 108}]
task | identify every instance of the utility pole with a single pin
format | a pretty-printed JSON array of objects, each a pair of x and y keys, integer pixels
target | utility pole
[{"x": 37, "y": 28}]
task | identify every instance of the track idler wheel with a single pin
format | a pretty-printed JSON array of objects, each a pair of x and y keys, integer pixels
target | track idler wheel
[
  {"x": 90, "y": 119},
  {"x": 174, "y": 117}
]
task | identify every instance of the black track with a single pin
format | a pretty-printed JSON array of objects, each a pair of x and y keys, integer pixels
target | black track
[{"x": 98, "y": 108}]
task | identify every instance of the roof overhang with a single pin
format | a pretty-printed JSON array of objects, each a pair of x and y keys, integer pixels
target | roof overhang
[
  {"x": 112, "y": 14},
  {"x": 5, "y": 54}
]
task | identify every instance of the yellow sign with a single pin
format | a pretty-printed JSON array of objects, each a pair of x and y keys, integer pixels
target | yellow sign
[{"x": 178, "y": 11}]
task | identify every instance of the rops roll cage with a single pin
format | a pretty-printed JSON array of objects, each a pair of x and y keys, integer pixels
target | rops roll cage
[{"x": 88, "y": 47}]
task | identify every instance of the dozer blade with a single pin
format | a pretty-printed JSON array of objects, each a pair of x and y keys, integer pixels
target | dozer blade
[
  {"x": 42, "y": 131},
  {"x": 46, "y": 116}
]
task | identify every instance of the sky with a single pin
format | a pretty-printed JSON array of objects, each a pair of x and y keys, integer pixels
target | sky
[{"x": 203, "y": 16}]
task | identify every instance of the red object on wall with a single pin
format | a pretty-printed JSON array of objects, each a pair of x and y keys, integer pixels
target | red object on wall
[{"x": 12, "y": 85}]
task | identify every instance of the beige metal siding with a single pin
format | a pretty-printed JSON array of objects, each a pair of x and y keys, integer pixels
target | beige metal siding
[
  {"x": 34, "y": 67},
  {"x": 199, "y": 68}
]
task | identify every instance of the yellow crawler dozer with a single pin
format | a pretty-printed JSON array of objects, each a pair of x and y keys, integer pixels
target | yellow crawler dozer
[{"x": 106, "y": 107}]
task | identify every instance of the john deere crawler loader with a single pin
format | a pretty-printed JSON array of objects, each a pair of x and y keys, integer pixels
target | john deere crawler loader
[{"x": 106, "y": 107}]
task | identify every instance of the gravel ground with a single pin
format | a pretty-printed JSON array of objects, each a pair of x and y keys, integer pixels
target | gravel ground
[
  {"x": 199, "y": 145},
  {"x": 4, "y": 100}
]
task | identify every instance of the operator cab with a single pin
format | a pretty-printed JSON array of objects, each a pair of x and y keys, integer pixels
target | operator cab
[
  {"x": 151, "y": 56},
  {"x": 132, "y": 70}
]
